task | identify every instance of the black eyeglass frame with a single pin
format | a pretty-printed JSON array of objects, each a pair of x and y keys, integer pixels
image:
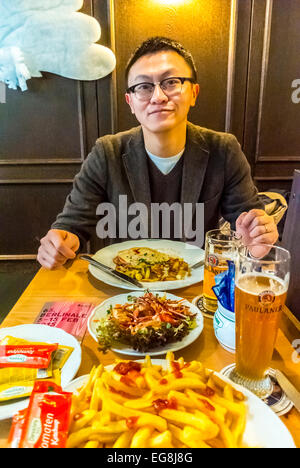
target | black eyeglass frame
[{"x": 131, "y": 89}]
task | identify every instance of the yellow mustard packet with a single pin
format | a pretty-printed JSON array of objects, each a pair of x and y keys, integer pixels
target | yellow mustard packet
[
  {"x": 21, "y": 389},
  {"x": 9, "y": 375}
]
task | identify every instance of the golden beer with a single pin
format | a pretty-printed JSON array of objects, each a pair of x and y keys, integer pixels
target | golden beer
[
  {"x": 261, "y": 285},
  {"x": 259, "y": 302},
  {"x": 209, "y": 296},
  {"x": 220, "y": 246}
]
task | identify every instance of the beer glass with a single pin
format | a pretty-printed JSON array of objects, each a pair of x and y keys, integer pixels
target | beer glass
[
  {"x": 220, "y": 246},
  {"x": 260, "y": 291}
]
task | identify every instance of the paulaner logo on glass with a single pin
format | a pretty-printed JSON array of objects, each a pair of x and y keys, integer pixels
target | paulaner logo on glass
[{"x": 187, "y": 220}]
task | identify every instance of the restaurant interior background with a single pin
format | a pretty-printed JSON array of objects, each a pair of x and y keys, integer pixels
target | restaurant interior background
[{"x": 247, "y": 55}]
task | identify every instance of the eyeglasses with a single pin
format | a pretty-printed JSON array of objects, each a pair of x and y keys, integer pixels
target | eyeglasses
[{"x": 170, "y": 87}]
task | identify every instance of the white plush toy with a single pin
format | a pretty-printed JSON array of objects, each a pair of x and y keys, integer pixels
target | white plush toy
[{"x": 51, "y": 36}]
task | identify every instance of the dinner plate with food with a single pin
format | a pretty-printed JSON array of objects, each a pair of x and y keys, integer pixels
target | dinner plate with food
[
  {"x": 156, "y": 264},
  {"x": 168, "y": 403},
  {"x": 145, "y": 322}
]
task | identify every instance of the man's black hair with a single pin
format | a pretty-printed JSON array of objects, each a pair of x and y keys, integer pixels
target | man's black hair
[{"x": 158, "y": 44}]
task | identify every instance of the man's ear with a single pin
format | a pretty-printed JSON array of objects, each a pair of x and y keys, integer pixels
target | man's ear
[
  {"x": 129, "y": 102},
  {"x": 195, "y": 92}
]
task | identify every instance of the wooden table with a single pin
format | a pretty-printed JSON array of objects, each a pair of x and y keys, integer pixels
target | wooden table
[{"x": 74, "y": 283}]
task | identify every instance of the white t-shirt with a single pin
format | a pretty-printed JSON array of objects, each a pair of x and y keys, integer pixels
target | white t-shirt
[{"x": 165, "y": 165}]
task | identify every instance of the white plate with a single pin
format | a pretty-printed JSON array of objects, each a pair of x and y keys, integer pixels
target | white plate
[
  {"x": 263, "y": 429},
  {"x": 190, "y": 253},
  {"x": 100, "y": 312},
  {"x": 43, "y": 333}
]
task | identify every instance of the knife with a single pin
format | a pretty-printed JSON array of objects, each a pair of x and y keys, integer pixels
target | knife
[
  {"x": 197, "y": 265},
  {"x": 289, "y": 389},
  {"x": 111, "y": 271}
]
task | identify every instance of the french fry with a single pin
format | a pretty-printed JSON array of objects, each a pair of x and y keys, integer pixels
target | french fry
[
  {"x": 228, "y": 392},
  {"x": 239, "y": 425},
  {"x": 92, "y": 444},
  {"x": 140, "y": 403},
  {"x": 112, "y": 427},
  {"x": 181, "y": 399},
  {"x": 206, "y": 427},
  {"x": 124, "y": 440},
  {"x": 141, "y": 437},
  {"x": 185, "y": 437},
  {"x": 149, "y": 419},
  {"x": 182, "y": 406},
  {"x": 163, "y": 440},
  {"x": 95, "y": 398},
  {"x": 82, "y": 420},
  {"x": 227, "y": 437},
  {"x": 222, "y": 384},
  {"x": 198, "y": 401},
  {"x": 88, "y": 433},
  {"x": 192, "y": 438},
  {"x": 147, "y": 362},
  {"x": 121, "y": 387}
]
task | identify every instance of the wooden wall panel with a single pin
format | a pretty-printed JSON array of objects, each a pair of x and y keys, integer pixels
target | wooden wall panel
[
  {"x": 278, "y": 136},
  {"x": 27, "y": 210},
  {"x": 272, "y": 119},
  {"x": 39, "y": 123}
]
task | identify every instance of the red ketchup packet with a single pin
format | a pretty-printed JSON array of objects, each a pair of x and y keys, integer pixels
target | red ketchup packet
[
  {"x": 47, "y": 419},
  {"x": 16, "y": 429},
  {"x": 34, "y": 356}
]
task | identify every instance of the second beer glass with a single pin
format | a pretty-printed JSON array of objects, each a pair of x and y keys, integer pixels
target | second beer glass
[
  {"x": 260, "y": 291},
  {"x": 220, "y": 246}
]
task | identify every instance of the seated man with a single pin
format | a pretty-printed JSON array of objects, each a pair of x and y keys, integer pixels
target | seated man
[{"x": 166, "y": 160}]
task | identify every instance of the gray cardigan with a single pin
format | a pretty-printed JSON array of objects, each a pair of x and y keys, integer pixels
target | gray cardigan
[{"x": 215, "y": 172}]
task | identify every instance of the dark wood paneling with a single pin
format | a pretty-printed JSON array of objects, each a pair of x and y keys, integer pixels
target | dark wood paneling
[
  {"x": 241, "y": 69},
  {"x": 272, "y": 120},
  {"x": 27, "y": 210},
  {"x": 106, "y": 89},
  {"x": 279, "y": 136},
  {"x": 39, "y": 123}
]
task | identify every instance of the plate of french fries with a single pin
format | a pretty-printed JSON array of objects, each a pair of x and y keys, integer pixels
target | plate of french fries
[{"x": 168, "y": 404}]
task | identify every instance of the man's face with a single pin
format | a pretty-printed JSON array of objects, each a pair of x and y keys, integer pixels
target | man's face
[{"x": 161, "y": 113}]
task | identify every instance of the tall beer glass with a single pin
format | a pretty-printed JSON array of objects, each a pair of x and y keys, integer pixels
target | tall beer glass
[
  {"x": 260, "y": 291},
  {"x": 220, "y": 246}
]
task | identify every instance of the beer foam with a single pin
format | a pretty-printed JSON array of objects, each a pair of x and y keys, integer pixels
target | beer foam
[{"x": 256, "y": 283}]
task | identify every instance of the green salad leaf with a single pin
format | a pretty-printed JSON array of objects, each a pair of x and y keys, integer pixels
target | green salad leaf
[{"x": 110, "y": 334}]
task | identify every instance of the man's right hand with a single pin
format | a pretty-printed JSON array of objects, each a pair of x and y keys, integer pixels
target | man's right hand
[{"x": 56, "y": 248}]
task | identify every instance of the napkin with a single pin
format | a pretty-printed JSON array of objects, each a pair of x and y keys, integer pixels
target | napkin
[{"x": 225, "y": 286}]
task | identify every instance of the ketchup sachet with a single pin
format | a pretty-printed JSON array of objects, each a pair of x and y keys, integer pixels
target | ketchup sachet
[
  {"x": 46, "y": 421},
  {"x": 35, "y": 356}
]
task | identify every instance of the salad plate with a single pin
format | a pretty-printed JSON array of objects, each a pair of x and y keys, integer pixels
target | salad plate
[{"x": 102, "y": 311}]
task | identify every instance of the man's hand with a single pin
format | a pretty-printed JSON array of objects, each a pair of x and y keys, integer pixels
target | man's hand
[
  {"x": 56, "y": 248},
  {"x": 257, "y": 228}
]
